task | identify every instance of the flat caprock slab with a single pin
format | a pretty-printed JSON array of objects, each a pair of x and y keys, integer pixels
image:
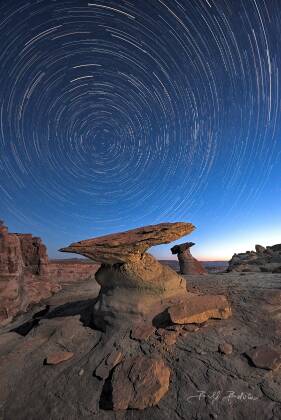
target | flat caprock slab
[{"x": 130, "y": 245}]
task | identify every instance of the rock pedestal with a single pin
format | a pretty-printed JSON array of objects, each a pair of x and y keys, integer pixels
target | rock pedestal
[
  {"x": 188, "y": 264},
  {"x": 135, "y": 288}
]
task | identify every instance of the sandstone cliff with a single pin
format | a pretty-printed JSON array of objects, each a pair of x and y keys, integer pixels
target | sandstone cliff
[
  {"x": 28, "y": 277},
  {"x": 24, "y": 276}
]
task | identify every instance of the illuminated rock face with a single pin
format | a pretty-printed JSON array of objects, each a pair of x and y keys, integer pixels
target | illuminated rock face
[
  {"x": 27, "y": 276},
  {"x": 197, "y": 309},
  {"x": 188, "y": 264},
  {"x": 24, "y": 276},
  {"x": 129, "y": 246},
  {"x": 135, "y": 287}
]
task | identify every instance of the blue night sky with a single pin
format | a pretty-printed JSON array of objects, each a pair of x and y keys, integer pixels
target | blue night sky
[{"x": 117, "y": 114}]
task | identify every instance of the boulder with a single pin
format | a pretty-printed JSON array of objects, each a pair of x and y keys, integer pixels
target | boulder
[
  {"x": 142, "y": 332},
  {"x": 199, "y": 308},
  {"x": 225, "y": 348},
  {"x": 188, "y": 264},
  {"x": 129, "y": 246},
  {"x": 265, "y": 357},
  {"x": 139, "y": 382},
  {"x": 260, "y": 249}
]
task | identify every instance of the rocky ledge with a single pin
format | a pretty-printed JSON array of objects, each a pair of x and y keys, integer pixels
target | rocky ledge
[
  {"x": 28, "y": 277},
  {"x": 265, "y": 260},
  {"x": 139, "y": 342},
  {"x": 24, "y": 278}
]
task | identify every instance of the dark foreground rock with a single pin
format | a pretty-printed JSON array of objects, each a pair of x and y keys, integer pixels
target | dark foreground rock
[
  {"x": 265, "y": 357},
  {"x": 139, "y": 383},
  {"x": 204, "y": 381}
]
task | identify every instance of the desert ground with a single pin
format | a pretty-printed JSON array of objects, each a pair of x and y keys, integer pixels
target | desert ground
[{"x": 212, "y": 374}]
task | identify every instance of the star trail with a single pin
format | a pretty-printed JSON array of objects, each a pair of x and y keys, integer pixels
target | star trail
[{"x": 115, "y": 114}]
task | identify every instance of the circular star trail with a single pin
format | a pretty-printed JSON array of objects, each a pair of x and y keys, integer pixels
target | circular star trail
[{"x": 118, "y": 113}]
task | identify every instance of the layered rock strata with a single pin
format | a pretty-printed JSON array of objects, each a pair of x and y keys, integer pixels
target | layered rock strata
[
  {"x": 24, "y": 277},
  {"x": 265, "y": 260},
  {"x": 135, "y": 288},
  {"x": 27, "y": 276}
]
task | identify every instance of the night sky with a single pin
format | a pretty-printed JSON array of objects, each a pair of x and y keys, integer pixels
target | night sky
[{"x": 120, "y": 113}]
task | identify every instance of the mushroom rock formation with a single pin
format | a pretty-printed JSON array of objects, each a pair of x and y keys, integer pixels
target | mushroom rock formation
[
  {"x": 135, "y": 287},
  {"x": 188, "y": 264}
]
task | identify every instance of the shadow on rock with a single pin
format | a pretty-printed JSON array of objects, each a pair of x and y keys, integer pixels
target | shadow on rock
[{"x": 81, "y": 307}]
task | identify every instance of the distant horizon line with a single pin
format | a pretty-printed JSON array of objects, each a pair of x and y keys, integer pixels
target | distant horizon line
[{"x": 159, "y": 259}]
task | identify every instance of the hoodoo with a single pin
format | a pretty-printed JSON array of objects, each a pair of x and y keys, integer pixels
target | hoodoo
[
  {"x": 135, "y": 287},
  {"x": 188, "y": 264}
]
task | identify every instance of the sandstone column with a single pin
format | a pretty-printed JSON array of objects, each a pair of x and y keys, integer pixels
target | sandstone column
[{"x": 188, "y": 264}]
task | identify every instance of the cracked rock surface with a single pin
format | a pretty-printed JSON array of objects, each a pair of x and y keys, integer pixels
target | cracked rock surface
[{"x": 204, "y": 382}]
